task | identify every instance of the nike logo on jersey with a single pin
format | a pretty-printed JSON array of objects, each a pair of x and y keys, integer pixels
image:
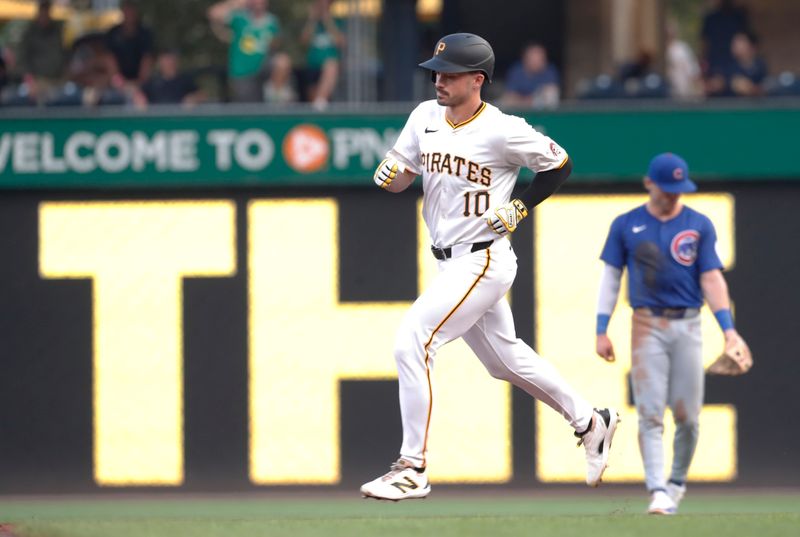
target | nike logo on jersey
[
  {"x": 638, "y": 229},
  {"x": 428, "y": 131}
]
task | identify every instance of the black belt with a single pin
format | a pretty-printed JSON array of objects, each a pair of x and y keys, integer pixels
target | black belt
[
  {"x": 446, "y": 253},
  {"x": 672, "y": 313}
]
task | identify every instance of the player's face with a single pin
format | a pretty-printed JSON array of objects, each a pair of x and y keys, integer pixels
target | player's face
[
  {"x": 454, "y": 89},
  {"x": 664, "y": 201}
]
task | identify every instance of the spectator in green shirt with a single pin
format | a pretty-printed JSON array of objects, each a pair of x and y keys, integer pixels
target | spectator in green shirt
[
  {"x": 324, "y": 41},
  {"x": 252, "y": 32}
]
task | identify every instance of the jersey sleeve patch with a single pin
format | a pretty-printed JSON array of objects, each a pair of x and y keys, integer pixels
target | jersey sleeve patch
[{"x": 528, "y": 148}]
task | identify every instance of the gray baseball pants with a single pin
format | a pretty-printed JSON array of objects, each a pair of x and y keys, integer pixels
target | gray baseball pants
[{"x": 667, "y": 369}]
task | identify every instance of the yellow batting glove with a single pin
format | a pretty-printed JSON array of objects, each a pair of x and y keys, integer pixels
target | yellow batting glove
[
  {"x": 386, "y": 171},
  {"x": 506, "y": 218}
]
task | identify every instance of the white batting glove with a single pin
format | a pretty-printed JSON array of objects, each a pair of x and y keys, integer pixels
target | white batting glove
[
  {"x": 504, "y": 219},
  {"x": 386, "y": 171}
]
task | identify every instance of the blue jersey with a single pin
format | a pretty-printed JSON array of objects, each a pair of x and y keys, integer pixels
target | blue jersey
[{"x": 664, "y": 259}]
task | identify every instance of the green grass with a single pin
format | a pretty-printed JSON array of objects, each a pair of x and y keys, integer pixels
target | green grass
[{"x": 495, "y": 514}]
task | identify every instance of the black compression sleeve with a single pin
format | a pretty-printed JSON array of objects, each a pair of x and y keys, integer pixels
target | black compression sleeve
[{"x": 545, "y": 184}]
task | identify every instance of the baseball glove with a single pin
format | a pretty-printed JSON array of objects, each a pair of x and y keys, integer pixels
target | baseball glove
[{"x": 736, "y": 359}]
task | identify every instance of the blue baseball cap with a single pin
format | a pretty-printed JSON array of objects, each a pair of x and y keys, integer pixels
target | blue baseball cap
[{"x": 671, "y": 173}]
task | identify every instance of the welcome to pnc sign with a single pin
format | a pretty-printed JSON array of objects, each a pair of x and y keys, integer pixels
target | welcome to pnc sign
[{"x": 162, "y": 154}]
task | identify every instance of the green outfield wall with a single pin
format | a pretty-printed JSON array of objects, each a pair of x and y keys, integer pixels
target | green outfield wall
[{"x": 198, "y": 149}]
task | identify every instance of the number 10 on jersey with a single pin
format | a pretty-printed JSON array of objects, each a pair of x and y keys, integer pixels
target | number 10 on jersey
[{"x": 476, "y": 203}]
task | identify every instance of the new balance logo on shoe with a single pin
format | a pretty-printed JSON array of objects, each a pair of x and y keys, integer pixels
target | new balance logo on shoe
[
  {"x": 409, "y": 484},
  {"x": 402, "y": 482}
]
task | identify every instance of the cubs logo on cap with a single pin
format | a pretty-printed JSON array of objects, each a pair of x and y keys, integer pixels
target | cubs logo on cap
[
  {"x": 684, "y": 247},
  {"x": 671, "y": 173}
]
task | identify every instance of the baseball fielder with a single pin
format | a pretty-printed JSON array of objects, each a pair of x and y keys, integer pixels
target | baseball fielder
[
  {"x": 469, "y": 155},
  {"x": 669, "y": 251}
]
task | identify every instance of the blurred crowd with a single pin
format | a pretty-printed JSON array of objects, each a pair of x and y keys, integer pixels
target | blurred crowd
[
  {"x": 728, "y": 64},
  {"x": 258, "y": 70},
  {"x": 118, "y": 66},
  {"x": 123, "y": 66}
]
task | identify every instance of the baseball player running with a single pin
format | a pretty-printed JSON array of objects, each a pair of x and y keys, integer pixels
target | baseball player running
[
  {"x": 669, "y": 251},
  {"x": 469, "y": 155}
]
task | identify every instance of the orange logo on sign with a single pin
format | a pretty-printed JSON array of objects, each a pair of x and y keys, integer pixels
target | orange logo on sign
[
  {"x": 306, "y": 148},
  {"x": 440, "y": 48}
]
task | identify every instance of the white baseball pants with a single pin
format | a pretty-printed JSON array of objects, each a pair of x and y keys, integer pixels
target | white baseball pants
[
  {"x": 667, "y": 369},
  {"x": 467, "y": 299}
]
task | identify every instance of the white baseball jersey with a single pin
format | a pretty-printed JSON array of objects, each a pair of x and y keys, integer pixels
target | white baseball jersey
[{"x": 469, "y": 167}]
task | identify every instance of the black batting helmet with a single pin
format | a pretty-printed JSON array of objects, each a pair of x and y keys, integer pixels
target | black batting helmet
[{"x": 461, "y": 53}]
